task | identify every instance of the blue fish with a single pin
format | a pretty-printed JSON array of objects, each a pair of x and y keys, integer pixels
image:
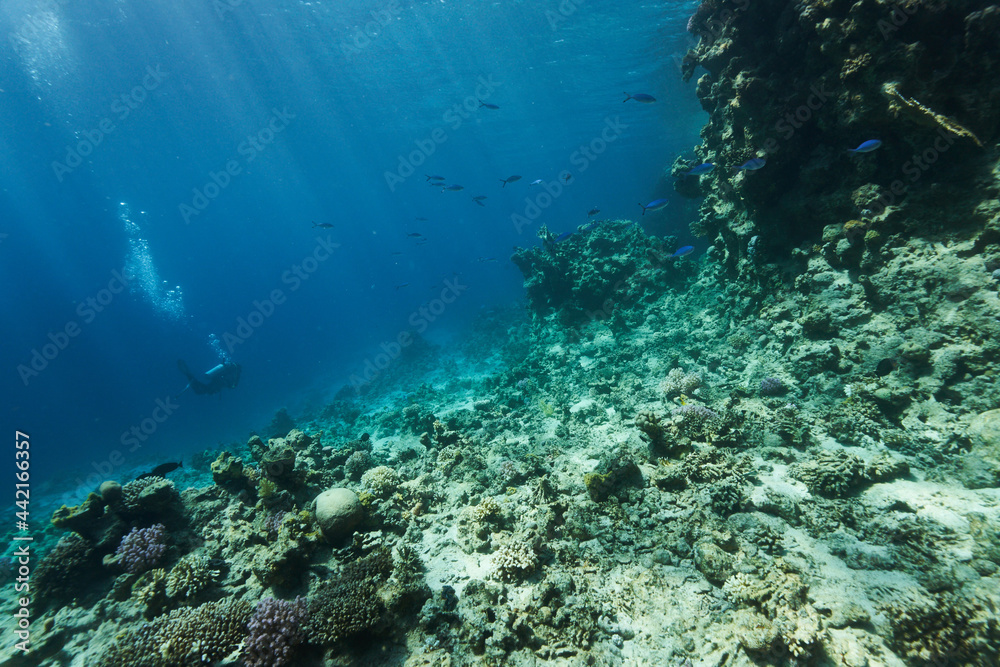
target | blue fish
[
  {"x": 866, "y": 147},
  {"x": 639, "y": 97},
  {"x": 563, "y": 236},
  {"x": 702, "y": 168},
  {"x": 654, "y": 205},
  {"x": 753, "y": 164},
  {"x": 683, "y": 250},
  {"x": 488, "y": 105}
]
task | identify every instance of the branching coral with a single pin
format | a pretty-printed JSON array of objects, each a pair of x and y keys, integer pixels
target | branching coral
[
  {"x": 514, "y": 560},
  {"x": 142, "y": 548},
  {"x": 275, "y": 632},
  {"x": 186, "y": 636}
]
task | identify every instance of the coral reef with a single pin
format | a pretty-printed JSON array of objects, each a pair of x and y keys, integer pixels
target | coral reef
[
  {"x": 275, "y": 632},
  {"x": 185, "y": 636},
  {"x": 190, "y": 576},
  {"x": 514, "y": 561},
  {"x": 142, "y": 549},
  {"x": 66, "y": 571},
  {"x": 781, "y": 450}
]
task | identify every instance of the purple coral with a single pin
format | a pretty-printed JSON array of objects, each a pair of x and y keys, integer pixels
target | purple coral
[
  {"x": 272, "y": 524},
  {"x": 275, "y": 631},
  {"x": 142, "y": 549},
  {"x": 772, "y": 387},
  {"x": 697, "y": 413}
]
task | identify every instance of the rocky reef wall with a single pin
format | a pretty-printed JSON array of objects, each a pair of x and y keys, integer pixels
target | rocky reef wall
[{"x": 801, "y": 83}]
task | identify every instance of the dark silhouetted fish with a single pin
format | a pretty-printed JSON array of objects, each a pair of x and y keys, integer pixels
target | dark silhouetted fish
[
  {"x": 592, "y": 212},
  {"x": 487, "y": 105},
  {"x": 323, "y": 225},
  {"x": 639, "y": 97},
  {"x": 434, "y": 178},
  {"x": 452, "y": 188},
  {"x": 161, "y": 470},
  {"x": 402, "y": 285},
  {"x": 415, "y": 235},
  {"x": 479, "y": 197},
  {"x": 509, "y": 179},
  {"x": 654, "y": 205}
]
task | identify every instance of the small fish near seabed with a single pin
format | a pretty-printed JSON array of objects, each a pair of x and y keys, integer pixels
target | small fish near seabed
[
  {"x": 682, "y": 251},
  {"x": 654, "y": 205},
  {"x": 753, "y": 164},
  {"x": 509, "y": 179},
  {"x": 162, "y": 470},
  {"x": 592, "y": 212},
  {"x": 700, "y": 169},
  {"x": 866, "y": 147},
  {"x": 639, "y": 97},
  {"x": 322, "y": 225},
  {"x": 488, "y": 105},
  {"x": 452, "y": 188}
]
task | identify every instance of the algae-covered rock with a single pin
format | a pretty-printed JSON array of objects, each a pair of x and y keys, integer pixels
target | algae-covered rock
[
  {"x": 338, "y": 511},
  {"x": 227, "y": 468},
  {"x": 712, "y": 561},
  {"x": 110, "y": 491},
  {"x": 82, "y": 518}
]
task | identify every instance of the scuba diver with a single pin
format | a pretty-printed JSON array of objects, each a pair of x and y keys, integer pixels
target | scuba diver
[{"x": 214, "y": 381}]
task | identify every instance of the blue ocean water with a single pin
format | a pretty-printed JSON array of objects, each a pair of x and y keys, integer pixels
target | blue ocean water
[{"x": 164, "y": 164}]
